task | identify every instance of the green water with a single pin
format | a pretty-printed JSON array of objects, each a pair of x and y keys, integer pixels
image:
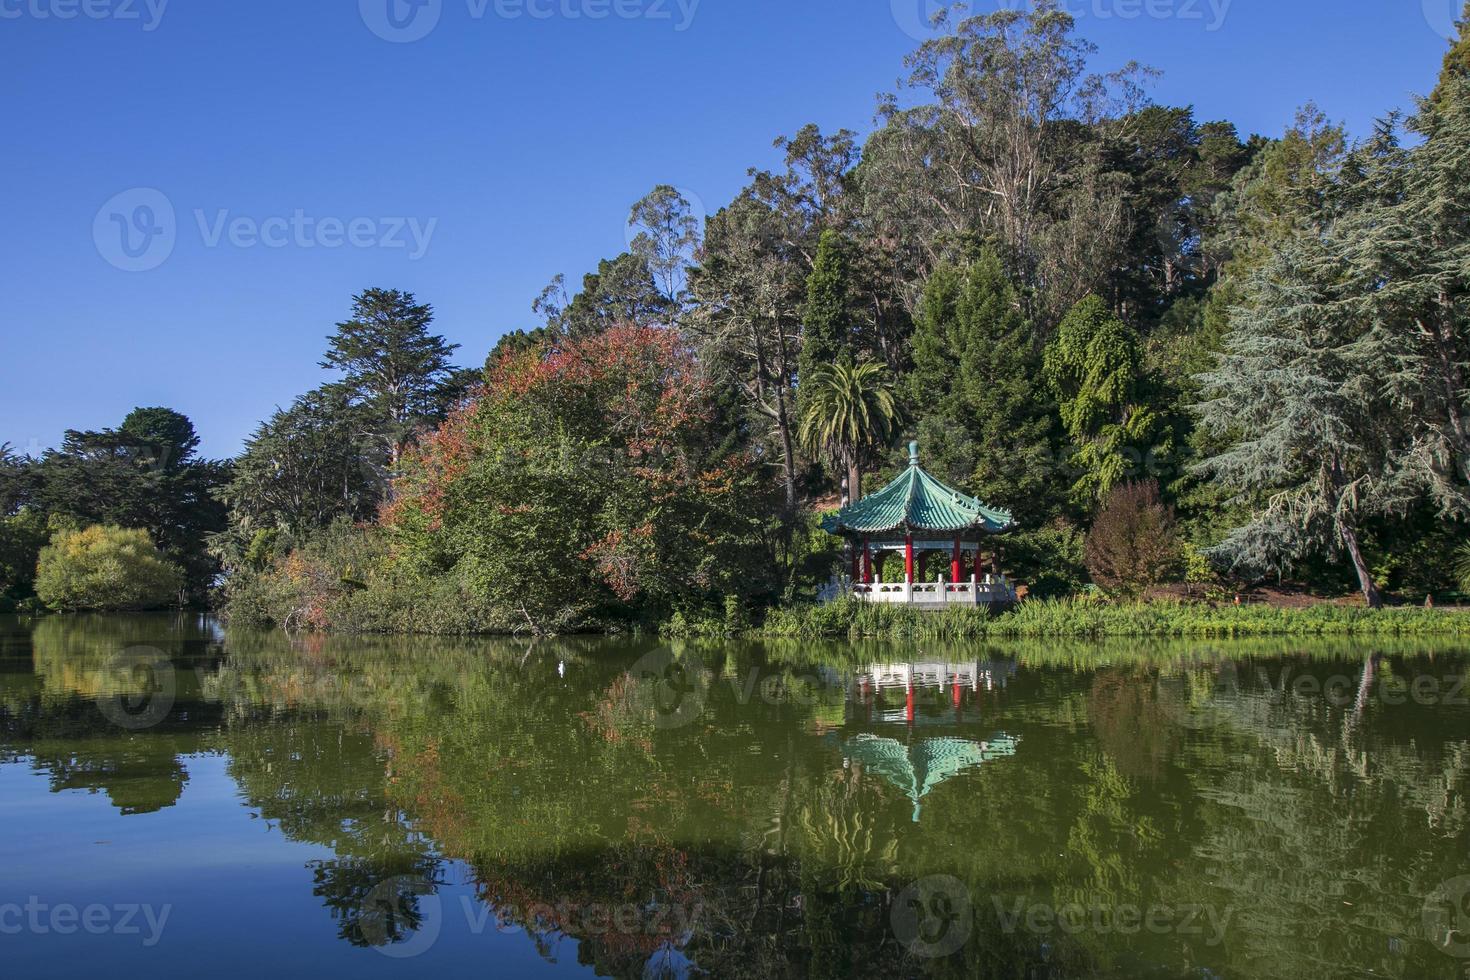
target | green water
[{"x": 175, "y": 798}]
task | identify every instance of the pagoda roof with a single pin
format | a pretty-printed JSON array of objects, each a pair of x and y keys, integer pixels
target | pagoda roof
[{"x": 917, "y": 501}]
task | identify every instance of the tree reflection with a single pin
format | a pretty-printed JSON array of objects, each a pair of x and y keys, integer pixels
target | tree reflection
[{"x": 744, "y": 841}]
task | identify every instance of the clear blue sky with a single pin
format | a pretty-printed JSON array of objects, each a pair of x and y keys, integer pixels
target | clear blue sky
[{"x": 522, "y": 132}]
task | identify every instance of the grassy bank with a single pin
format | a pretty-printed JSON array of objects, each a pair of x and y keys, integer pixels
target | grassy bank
[{"x": 1085, "y": 618}]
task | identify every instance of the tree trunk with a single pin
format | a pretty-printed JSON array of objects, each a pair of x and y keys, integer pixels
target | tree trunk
[
  {"x": 1371, "y": 594},
  {"x": 854, "y": 479},
  {"x": 779, "y": 413},
  {"x": 783, "y": 411},
  {"x": 788, "y": 450}
]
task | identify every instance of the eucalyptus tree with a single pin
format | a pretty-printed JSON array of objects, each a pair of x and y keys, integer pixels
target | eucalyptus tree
[
  {"x": 668, "y": 237},
  {"x": 850, "y": 410},
  {"x": 749, "y": 287},
  {"x": 1001, "y": 145}
]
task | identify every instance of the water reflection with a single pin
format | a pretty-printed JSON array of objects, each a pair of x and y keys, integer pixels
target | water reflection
[{"x": 1274, "y": 808}]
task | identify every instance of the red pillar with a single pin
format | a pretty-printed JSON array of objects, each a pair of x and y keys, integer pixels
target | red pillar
[
  {"x": 908, "y": 557},
  {"x": 867, "y": 562},
  {"x": 957, "y": 563},
  {"x": 857, "y": 563},
  {"x": 908, "y": 705}
]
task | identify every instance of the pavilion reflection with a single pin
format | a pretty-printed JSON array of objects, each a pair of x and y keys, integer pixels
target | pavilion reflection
[
  {"x": 926, "y": 692},
  {"x": 923, "y": 694}
]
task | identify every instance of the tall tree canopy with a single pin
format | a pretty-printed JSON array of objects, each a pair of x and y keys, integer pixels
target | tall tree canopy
[
  {"x": 392, "y": 364},
  {"x": 984, "y": 414},
  {"x": 142, "y": 475},
  {"x": 588, "y": 479}
]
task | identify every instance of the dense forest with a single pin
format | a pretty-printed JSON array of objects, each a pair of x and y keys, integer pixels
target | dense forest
[{"x": 1176, "y": 352}]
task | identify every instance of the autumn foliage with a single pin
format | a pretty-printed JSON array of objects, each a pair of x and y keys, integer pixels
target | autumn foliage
[
  {"x": 1133, "y": 545},
  {"x": 582, "y": 478}
]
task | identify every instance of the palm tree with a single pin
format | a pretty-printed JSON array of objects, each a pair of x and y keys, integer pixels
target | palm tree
[
  {"x": 850, "y": 410},
  {"x": 1462, "y": 567}
]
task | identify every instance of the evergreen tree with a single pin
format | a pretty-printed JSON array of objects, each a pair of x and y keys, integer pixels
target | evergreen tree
[
  {"x": 827, "y": 317},
  {"x": 622, "y": 291},
  {"x": 984, "y": 415},
  {"x": 1408, "y": 242},
  {"x": 1314, "y": 433},
  {"x": 303, "y": 468},
  {"x": 1106, "y": 400},
  {"x": 392, "y": 364},
  {"x": 144, "y": 474}
]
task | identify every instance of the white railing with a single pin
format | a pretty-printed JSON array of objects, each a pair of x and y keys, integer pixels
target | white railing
[
  {"x": 992, "y": 590},
  {"x": 973, "y": 675}
]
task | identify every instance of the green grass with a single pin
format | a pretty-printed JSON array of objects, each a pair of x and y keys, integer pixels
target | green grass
[{"x": 1089, "y": 618}]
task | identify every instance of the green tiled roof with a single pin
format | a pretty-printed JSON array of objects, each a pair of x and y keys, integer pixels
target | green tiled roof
[{"x": 917, "y": 502}]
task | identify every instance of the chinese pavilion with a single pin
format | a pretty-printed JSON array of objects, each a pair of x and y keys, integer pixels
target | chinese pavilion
[{"x": 921, "y": 517}]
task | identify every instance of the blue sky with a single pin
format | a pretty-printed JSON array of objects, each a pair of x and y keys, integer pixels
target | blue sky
[{"x": 311, "y": 148}]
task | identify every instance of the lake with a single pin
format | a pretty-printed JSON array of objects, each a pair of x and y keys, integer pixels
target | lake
[{"x": 177, "y": 799}]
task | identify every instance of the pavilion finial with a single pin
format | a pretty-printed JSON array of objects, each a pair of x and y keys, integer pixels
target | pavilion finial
[{"x": 914, "y": 453}]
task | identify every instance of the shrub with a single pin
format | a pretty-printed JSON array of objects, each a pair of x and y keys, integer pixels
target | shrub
[
  {"x": 106, "y": 569},
  {"x": 1132, "y": 545},
  {"x": 1462, "y": 567},
  {"x": 341, "y": 580}
]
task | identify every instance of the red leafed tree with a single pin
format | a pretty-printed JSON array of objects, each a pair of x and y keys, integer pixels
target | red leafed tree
[
  {"x": 1132, "y": 545},
  {"x": 585, "y": 479}
]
